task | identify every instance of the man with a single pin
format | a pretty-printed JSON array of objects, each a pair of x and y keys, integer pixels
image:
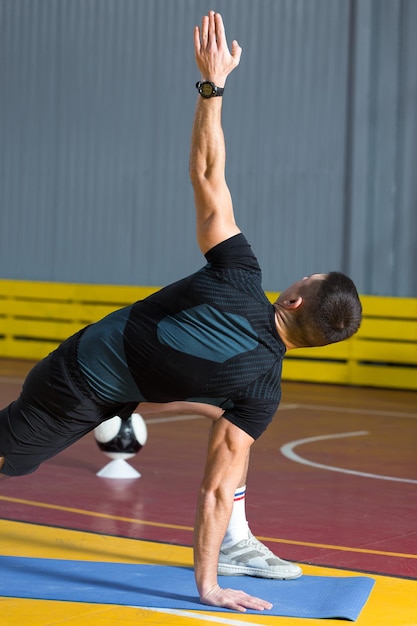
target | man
[{"x": 211, "y": 341}]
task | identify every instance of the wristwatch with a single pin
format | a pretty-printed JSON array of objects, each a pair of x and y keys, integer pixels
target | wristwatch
[{"x": 206, "y": 89}]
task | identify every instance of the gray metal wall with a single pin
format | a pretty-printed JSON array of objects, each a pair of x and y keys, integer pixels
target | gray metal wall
[{"x": 96, "y": 106}]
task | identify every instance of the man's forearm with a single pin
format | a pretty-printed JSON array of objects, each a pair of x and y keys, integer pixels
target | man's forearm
[
  {"x": 213, "y": 202},
  {"x": 208, "y": 151},
  {"x": 213, "y": 514}
]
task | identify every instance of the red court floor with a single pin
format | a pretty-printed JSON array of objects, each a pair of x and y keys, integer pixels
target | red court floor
[{"x": 333, "y": 481}]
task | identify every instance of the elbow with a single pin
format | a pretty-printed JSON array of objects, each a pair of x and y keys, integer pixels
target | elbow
[
  {"x": 203, "y": 187},
  {"x": 199, "y": 175},
  {"x": 204, "y": 171},
  {"x": 196, "y": 178}
]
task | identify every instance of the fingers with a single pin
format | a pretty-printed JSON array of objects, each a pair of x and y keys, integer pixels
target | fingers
[
  {"x": 197, "y": 41},
  {"x": 249, "y": 602},
  {"x": 212, "y": 30},
  {"x": 219, "y": 28},
  {"x": 235, "y": 600},
  {"x": 236, "y": 51},
  {"x": 205, "y": 28}
]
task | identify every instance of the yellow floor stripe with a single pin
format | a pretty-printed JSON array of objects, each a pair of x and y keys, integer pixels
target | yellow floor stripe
[
  {"x": 67, "y": 509},
  {"x": 341, "y": 548},
  {"x": 392, "y": 601},
  {"x": 130, "y": 520},
  {"x": 36, "y": 541}
]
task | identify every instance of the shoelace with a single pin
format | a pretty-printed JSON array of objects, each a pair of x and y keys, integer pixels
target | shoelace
[{"x": 260, "y": 546}]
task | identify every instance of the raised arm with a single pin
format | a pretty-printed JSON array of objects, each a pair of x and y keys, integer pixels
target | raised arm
[
  {"x": 229, "y": 446},
  {"x": 213, "y": 202}
]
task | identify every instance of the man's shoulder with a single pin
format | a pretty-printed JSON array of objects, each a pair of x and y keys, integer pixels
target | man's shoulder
[
  {"x": 233, "y": 253},
  {"x": 253, "y": 415}
]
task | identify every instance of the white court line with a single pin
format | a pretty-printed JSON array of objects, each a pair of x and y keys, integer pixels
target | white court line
[
  {"x": 172, "y": 418},
  {"x": 184, "y": 418},
  {"x": 288, "y": 451},
  {"x": 289, "y": 406},
  {"x": 284, "y": 406},
  {"x": 7, "y": 380},
  {"x": 358, "y": 411},
  {"x": 207, "y": 618}
]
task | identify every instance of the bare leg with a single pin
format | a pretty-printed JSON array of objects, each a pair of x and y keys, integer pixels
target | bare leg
[{"x": 242, "y": 482}]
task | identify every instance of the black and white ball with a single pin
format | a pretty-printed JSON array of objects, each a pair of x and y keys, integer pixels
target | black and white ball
[{"x": 120, "y": 439}]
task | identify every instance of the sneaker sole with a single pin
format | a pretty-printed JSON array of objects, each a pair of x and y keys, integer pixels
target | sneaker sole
[{"x": 235, "y": 570}]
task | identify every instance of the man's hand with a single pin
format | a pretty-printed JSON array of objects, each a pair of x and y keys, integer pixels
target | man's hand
[
  {"x": 233, "y": 599},
  {"x": 212, "y": 54}
]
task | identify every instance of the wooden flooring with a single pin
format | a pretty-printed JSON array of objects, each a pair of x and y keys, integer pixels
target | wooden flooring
[{"x": 332, "y": 485}]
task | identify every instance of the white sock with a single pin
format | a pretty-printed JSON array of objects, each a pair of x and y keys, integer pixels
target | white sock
[{"x": 237, "y": 529}]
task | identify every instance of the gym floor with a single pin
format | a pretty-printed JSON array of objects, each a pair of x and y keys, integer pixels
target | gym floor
[{"x": 332, "y": 485}]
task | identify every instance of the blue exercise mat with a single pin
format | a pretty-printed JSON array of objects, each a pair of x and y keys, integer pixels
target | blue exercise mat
[{"x": 158, "y": 586}]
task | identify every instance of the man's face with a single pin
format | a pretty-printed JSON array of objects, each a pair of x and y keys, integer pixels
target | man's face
[{"x": 300, "y": 288}]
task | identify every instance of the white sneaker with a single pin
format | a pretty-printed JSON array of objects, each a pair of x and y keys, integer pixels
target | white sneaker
[{"x": 251, "y": 558}]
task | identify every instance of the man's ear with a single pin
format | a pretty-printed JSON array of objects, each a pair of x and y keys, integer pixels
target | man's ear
[{"x": 292, "y": 304}]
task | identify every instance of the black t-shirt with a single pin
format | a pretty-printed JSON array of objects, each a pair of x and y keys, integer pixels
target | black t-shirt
[{"x": 210, "y": 337}]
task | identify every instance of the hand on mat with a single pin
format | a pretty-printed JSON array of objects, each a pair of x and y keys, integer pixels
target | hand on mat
[{"x": 234, "y": 599}]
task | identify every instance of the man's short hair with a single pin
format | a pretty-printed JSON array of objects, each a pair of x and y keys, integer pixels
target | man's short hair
[{"x": 331, "y": 312}]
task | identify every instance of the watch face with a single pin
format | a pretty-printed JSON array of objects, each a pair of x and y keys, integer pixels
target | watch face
[{"x": 206, "y": 90}]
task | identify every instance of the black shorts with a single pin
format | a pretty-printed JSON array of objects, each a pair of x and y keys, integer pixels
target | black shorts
[{"x": 55, "y": 409}]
